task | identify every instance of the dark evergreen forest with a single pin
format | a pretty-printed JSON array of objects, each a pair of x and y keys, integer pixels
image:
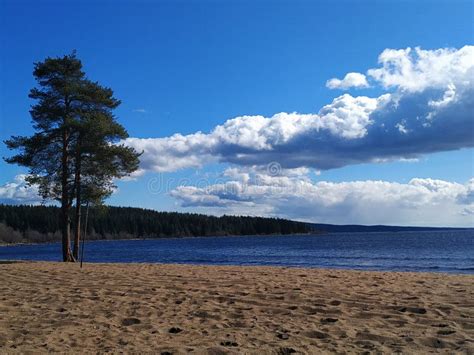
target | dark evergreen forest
[{"x": 24, "y": 223}]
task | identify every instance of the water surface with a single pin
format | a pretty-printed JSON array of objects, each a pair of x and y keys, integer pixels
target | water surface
[{"x": 440, "y": 251}]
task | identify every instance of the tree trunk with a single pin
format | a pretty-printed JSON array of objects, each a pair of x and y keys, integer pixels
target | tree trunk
[
  {"x": 65, "y": 223},
  {"x": 67, "y": 256},
  {"x": 77, "y": 225}
]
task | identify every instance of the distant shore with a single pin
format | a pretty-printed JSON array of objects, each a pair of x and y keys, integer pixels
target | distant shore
[
  {"x": 2, "y": 244},
  {"x": 231, "y": 309},
  {"x": 315, "y": 233}
]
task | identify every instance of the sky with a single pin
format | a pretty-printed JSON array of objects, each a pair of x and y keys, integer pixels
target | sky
[{"x": 322, "y": 111}]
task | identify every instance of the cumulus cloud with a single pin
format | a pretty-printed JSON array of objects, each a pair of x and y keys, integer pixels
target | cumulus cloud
[
  {"x": 415, "y": 70},
  {"x": 467, "y": 197},
  {"x": 351, "y": 80},
  {"x": 18, "y": 191},
  {"x": 429, "y": 108},
  {"x": 173, "y": 153},
  {"x": 292, "y": 194}
]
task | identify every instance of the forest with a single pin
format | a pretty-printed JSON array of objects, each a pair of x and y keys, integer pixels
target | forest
[{"x": 37, "y": 224}]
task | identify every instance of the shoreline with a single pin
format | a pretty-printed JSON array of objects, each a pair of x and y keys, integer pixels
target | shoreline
[
  {"x": 244, "y": 266},
  {"x": 176, "y": 308}
]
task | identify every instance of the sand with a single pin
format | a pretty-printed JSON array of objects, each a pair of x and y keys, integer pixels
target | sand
[{"x": 177, "y": 309}]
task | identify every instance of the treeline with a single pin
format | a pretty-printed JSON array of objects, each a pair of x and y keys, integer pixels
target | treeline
[
  {"x": 357, "y": 228},
  {"x": 23, "y": 223}
]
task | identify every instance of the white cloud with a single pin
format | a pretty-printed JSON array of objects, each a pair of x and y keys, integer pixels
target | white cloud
[
  {"x": 351, "y": 80},
  {"x": 349, "y": 117},
  {"x": 294, "y": 195},
  {"x": 415, "y": 70},
  {"x": 401, "y": 127},
  {"x": 173, "y": 153},
  {"x": 140, "y": 110},
  {"x": 429, "y": 109},
  {"x": 467, "y": 197},
  {"x": 468, "y": 211},
  {"x": 19, "y": 191},
  {"x": 448, "y": 97}
]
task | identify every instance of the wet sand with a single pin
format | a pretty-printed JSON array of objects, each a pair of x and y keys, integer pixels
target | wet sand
[{"x": 178, "y": 309}]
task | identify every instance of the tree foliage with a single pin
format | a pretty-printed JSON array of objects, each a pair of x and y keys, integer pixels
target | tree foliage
[
  {"x": 74, "y": 153},
  {"x": 126, "y": 222}
]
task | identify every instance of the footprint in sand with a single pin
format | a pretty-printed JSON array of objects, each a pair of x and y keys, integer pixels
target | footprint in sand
[
  {"x": 216, "y": 351},
  {"x": 130, "y": 321},
  {"x": 175, "y": 330},
  {"x": 314, "y": 334},
  {"x": 433, "y": 343},
  {"x": 229, "y": 343},
  {"x": 439, "y": 325},
  {"x": 283, "y": 336},
  {"x": 446, "y": 332},
  {"x": 416, "y": 310},
  {"x": 329, "y": 320}
]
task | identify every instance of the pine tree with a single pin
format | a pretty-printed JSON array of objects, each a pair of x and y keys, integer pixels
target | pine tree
[
  {"x": 47, "y": 152},
  {"x": 70, "y": 156}
]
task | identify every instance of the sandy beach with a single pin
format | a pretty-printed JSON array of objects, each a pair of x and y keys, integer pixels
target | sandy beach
[{"x": 177, "y": 309}]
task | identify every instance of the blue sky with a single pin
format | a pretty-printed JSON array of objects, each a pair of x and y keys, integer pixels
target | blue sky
[{"x": 189, "y": 66}]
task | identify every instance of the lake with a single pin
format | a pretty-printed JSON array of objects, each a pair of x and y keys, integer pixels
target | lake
[{"x": 439, "y": 251}]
